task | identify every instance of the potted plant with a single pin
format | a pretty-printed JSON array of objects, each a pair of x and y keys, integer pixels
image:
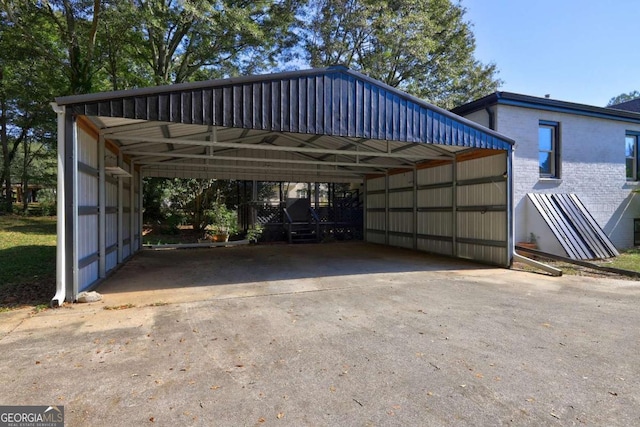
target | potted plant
[
  {"x": 532, "y": 243},
  {"x": 222, "y": 222},
  {"x": 254, "y": 232}
]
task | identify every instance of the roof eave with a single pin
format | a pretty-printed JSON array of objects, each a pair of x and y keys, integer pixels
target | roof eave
[{"x": 533, "y": 102}]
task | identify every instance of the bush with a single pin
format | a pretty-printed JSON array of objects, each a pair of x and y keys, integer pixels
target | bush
[
  {"x": 221, "y": 220},
  {"x": 47, "y": 202}
]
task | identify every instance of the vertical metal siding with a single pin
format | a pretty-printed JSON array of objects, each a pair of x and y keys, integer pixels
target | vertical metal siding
[
  {"x": 375, "y": 217},
  {"x": 435, "y": 204},
  {"x": 479, "y": 223},
  {"x": 483, "y": 225},
  {"x": 87, "y": 237},
  {"x": 87, "y": 150},
  {"x": 332, "y": 102},
  {"x": 88, "y": 275}
]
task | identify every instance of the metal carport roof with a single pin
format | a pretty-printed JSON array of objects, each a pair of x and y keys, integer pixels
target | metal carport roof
[{"x": 328, "y": 124}]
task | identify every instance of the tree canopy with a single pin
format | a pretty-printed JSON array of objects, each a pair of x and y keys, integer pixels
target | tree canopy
[
  {"x": 421, "y": 46},
  {"x": 51, "y": 48},
  {"x": 624, "y": 97}
]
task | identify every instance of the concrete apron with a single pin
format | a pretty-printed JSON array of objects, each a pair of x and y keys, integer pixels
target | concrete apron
[
  {"x": 344, "y": 334},
  {"x": 186, "y": 275}
]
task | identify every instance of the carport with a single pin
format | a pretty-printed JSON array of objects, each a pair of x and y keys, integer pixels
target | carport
[{"x": 433, "y": 181}]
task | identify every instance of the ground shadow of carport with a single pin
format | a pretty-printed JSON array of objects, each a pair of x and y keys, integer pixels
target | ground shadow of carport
[{"x": 184, "y": 268}]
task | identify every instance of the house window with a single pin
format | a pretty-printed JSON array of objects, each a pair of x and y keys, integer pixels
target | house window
[
  {"x": 631, "y": 154},
  {"x": 548, "y": 149}
]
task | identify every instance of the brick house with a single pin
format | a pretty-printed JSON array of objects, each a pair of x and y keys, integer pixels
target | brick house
[{"x": 568, "y": 157}]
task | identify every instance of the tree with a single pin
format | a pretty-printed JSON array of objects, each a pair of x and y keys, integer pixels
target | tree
[
  {"x": 199, "y": 39},
  {"x": 624, "y": 97},
  {"x": 27, "y": 84},
  {"x": 74, "y": 23},
  {"x": 421, "y": 46}
]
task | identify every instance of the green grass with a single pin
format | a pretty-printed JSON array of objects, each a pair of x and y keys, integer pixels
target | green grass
[
  {"x": 27, "y": 260},
  {"x": 628, "y": 260}
]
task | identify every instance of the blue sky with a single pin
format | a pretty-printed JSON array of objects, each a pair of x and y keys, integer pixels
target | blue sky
[{"x": 580, "y": 51}]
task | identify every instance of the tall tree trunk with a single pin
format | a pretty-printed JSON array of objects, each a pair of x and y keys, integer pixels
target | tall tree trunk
[
  {"x": 6, "y": 200},
  {"x": 25, "y": 175}
]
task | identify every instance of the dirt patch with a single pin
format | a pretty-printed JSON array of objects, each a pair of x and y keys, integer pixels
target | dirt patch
[
  {"x": 35, "y": 293},
  {"x": 158, "y": 235}
]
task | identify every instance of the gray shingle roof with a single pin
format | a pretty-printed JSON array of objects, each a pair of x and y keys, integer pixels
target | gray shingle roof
[{"x": 633, "y": 105}]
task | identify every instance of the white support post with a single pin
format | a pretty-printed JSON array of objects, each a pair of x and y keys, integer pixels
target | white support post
[
  {"x": 120, "y": 212},
  {"x": 74, "y": 212},
  {"x": 61, "y": 261},
  {"x": 102, "y": 210},
  {"x": 510, "y": 208}
]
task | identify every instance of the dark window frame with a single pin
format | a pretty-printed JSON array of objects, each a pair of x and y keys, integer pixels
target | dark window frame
[
  {"x": 635, "y": 176},
  {"x": 555, "y": 149}
]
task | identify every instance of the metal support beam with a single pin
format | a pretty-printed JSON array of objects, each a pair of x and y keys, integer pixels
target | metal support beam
[
  {"x": 386, "y": 208},
  {"x": 318, "y": 171},
  {"x": 140, "y": 207},
  {"x": 267, "y": 147},
  {"x": 269, "y": 160},
  {"x": 102, "y": 210},
  {"x": 454, "y": 207},
  {"x": 120, "y": 212},
  {"x": 132, "y": 209},
  {"x": 415, "y": 208},
  {"x": 365, "y": 197}
]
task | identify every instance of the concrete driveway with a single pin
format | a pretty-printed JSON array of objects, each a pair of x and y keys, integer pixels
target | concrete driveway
[{"x": 330, "y": 335}]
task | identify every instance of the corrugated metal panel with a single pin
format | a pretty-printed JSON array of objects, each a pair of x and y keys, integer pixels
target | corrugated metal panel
[
  {"x": 112, "y": 194},
  {"x": 87, "y": 276},
  {"x": 486, "y": 226},
  {"x": 332, "y": 101},
  {"x": 401, "y": 180},
  {"x": 435, "y": 224},
  {"x": 401, "y": 222},
  {"x": 375, "y": 184},
  {"x": 401, "y": 241},
  {"x": 490, "y": 254},
  {"x": 112, "y": 260},
  {"x": 435, "y": 246},
  {"x": 401, "y": 199},
  {"x": 435, "y": 175},
  {"x": 482, "y": 167},
  {"x": 574, "y": 227},
  {"x": 87, "y": 149},
  {"x": 87, "y": 190},
  {"x": 482, "y": 201},
  {"x": 375, "y": 238},
  {"x": 112, "y": 229},
  {"x": 489, "y": 194},
  {"x": 376, "y": 221},
  {"x": 88, "y": 232},
  {"x": 435, "y": 197}
]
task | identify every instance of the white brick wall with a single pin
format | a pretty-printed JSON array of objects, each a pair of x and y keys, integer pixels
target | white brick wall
[{"x": 592, "y": 166}]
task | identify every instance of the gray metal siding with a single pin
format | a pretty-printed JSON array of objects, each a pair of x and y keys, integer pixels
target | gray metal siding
[{"x": 474, "y": 227}]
